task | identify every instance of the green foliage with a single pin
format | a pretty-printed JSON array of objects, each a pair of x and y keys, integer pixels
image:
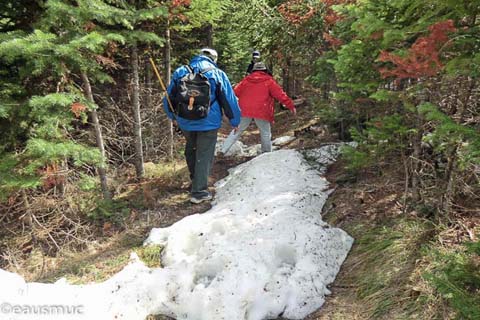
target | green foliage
[
  {"x": 382, "y": 137},
  {"x": 356, "y": 159},
  {"x": 12, "y": 178},
  {"x": 19, "y": 14},
  {"x": 354, "y": 67},
  {"x": 323, "y": 72},
  {"x": 401, "y": 36},
  {"x": 151, "y": 255},
  {"x": 110, "y": 210},
  {"x": 457, "y": 279},
  {"x": 203, "y": 12},
  {"x": 87, "y": 183},
  {"x": 381, "y": 266},
  {"x": 43, "y": 152},
  {"x": 384, "y": 96},
  {"x": 448, "y": 134},
  {"x": 257, "y": 24},
  {"x": 48, "y": 56}
]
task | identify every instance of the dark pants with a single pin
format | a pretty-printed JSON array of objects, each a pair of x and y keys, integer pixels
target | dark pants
[{"x": 199, "y": 152}]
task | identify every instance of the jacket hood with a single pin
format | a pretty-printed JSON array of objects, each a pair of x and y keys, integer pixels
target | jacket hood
[
  {"x": 203, "y": 62},
  {"x": 258, "y": 76}
]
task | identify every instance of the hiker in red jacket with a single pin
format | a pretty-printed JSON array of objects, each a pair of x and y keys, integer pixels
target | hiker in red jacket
[{"x": 256, "y": 94}]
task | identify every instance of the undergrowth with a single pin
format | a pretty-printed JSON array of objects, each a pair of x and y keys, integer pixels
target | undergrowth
[{"x": 456, "y": 277}]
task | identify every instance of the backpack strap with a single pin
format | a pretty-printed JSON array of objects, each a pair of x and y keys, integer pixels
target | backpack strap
[
  {"x": 190, "y": 70},
  {"x": 207, "y": 69}
]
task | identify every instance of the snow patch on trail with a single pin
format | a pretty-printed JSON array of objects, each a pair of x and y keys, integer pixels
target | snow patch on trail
[
  {"x": 238, "y": 149},
  {"x": 262, "y": 251},
  {"x": 320, "y": 158}
]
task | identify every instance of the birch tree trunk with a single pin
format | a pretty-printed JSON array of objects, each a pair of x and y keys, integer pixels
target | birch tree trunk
[
  {"x": 102, "y": 172},
  {"x": 136, "y": 114}
]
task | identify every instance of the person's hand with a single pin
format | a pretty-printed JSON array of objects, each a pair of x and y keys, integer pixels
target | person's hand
[
  {"x": 235, "y": 130},
  {"x": 294, "y": 111},
  {"x": 176, "y": 128}
]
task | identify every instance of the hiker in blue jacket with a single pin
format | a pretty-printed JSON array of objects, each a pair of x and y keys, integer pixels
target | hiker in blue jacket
[{"x": 201, "y": 134}]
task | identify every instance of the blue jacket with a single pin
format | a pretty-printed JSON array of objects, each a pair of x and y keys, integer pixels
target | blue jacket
[{"x": 221, "y": 93}]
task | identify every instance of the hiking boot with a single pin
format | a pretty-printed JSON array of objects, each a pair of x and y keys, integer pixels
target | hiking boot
[{"x": 201, "y": 198}]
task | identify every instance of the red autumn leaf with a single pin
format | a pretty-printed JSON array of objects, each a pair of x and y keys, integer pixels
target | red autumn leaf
[
  {"x": 331, "y": 17},
  {"x": 51, "y": 176},
  {"x": 334, "y": 42},
  {"x": 180, "y": 3},
  {"x": 106, "y": 61},
  {"x": 296, "y": 12},
  {"x": 77, "y": 109},
  {"x": 89, "y": 26},
  {"x": 423, "y": 58}
]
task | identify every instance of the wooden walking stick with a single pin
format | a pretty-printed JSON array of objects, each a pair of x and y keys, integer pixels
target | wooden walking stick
[{"x": 163, "y": 87}]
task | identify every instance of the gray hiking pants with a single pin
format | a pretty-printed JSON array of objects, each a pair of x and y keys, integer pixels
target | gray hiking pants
[
  {"x": 265, "y": 132},
  {"x": 199, "y": 153}
]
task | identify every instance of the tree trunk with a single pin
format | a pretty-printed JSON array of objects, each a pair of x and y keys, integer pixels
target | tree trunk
[
  {"x": 452, "y": 157},
  {"x": 136, "y": 114},
  {"x": 450, "y": 175},
  {"x": 209, "y": 35},
  {"x": 102, "y": 172},
  {"x": 293, "y": 93},
  {"x": 417, "y": 150},
  {"x": 148, "y": 85},
  {"x": 285, "y": 79},
  {"x": 168, "y": 71}
]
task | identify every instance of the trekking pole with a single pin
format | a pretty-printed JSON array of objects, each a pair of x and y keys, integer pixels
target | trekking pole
[
  {"x": 163, "y": 87},
  {"x": 170, "y": 106}
]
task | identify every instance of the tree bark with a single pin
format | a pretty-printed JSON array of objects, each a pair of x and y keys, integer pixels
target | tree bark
[
  {"x": 148, "y": 84},
  {"x": 452, "y": 157},
  {"x": 209, "y": 35},
  {"x": 286, "y": 77},
  {"x": 168, "y": 71},
  {"x": 136, "y": 114},
  {"x": 102, "y": 172},
  {"x": 417, "y": 150}
]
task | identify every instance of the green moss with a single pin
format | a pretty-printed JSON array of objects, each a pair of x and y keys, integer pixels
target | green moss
[
  {"x": 151, "y": 255},
  {"x": 99, "y": 271}
]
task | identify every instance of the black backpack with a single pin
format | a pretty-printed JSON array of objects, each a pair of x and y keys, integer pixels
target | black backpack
[{"x": 191, "y": 95}]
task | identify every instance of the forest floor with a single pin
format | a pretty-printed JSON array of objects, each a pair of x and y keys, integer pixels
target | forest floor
[{"x": 381, "y": 277}]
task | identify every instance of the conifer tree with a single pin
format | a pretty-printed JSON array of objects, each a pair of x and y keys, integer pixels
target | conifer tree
[{"x": 69, "y": 44}]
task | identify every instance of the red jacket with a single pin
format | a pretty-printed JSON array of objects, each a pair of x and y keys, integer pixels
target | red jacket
[{"x": 256, "y": 93}]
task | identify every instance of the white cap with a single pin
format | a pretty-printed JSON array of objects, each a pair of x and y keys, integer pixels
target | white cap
[{"x": 211, "y": 53}]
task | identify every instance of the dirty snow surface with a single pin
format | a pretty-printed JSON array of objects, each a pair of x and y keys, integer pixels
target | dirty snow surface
[
  {"x": 261, "y": 252},
  {"x": 238, "y": 149}
]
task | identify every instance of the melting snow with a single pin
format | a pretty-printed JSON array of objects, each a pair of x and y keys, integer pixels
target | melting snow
[
  {"x": 260, "y": 252},
  {"x": 238, "y": 149}
]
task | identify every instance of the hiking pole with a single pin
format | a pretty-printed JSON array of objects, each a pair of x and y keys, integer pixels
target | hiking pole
[
  {"x": 163, "y": 87},
  {"x": 170, "y": 106}
]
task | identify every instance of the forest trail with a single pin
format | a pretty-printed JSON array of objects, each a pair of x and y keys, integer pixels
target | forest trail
[
  {"x": 275, "y": 198},
  {"x": 90, "y": 164},
  {"x": 378, "y": 277}
]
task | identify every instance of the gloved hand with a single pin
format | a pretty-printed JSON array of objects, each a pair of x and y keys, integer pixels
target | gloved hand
[{"x": 176, "y": 127}]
